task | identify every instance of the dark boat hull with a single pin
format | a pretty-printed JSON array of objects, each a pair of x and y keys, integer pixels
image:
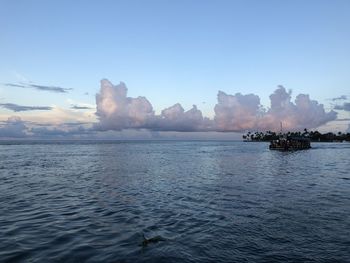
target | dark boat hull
[
  {"x": 288, "y": 148},
  {"x": 290, "y": 144}
]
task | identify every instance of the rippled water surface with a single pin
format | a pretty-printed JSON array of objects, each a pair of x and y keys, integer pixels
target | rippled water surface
[{"x": 210, "y": 201}]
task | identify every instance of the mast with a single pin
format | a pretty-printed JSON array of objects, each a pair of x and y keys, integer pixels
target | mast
[
  {"x": 281, "y": 132},
  {"x": 281, "y": 128}
]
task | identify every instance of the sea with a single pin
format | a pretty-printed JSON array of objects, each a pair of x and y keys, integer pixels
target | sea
[{"x": 193, "y": 201}]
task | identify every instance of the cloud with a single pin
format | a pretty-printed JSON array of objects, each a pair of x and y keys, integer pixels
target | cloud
[
  {"x": 50, "y": 88},
  {"x": 59, "y": 115},
  {"x": 236, "y": 112},
  {"x": 303, "y": 113},
  {"x": 17, "y": 108},
  {"x": 244, "y": 112},
  {"x": 116, "y": 111},
  {"x": 345, "y": 106},
  {"x": 175, "y": 118},
  {"x": 233, "y": 113},
  {"x": 54, "y": 132},
  {"x": 77, "y": 107},
  {"x": 72, "y": 124},
  {"x": 14, "y": 127},
  {"x": 342, "y": 97},
  {"x": 39, "y": 87},
  {"x": 15, "y": 85}
]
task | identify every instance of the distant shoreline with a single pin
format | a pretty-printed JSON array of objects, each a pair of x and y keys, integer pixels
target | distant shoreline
[{"x": 313, "y": 136}]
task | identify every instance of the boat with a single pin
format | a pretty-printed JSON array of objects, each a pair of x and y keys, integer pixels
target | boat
[{"x": 288, "y": 143}]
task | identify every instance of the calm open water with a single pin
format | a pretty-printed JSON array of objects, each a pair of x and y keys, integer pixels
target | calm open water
[{"x": 211, "y": 201}]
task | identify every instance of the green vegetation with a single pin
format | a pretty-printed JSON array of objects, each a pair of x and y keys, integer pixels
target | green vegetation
[{"x": 314, "y": 136}]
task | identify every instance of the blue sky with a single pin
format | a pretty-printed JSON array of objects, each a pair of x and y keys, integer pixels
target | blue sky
[{"x": 173, "y": 51}]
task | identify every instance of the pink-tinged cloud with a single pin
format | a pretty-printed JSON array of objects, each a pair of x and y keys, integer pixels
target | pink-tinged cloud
[
  {"x": 116, "y": 111},
  {"x": 175, "y": 118},
  {"x": 234, "y": 113},
  {"x": 303, "y": 113}
]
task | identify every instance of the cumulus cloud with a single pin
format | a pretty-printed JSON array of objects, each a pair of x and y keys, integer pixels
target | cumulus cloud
[
  {"x": 345, "y": 106},
  {"x": 14, "y": 127},
  {"x": 39, "y": 87},
  {"x": 238, "y": 112},
  {"x": 17, "y": 108},
  {"x": 303, "y": 113},
  {"x": 116, "y": 111},
  {"x": 244, "y": 112},
  {"x": 175, "y": 118}
]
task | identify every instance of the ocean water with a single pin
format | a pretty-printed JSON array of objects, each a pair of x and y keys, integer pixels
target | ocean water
[{"x": 209, "y": 201}]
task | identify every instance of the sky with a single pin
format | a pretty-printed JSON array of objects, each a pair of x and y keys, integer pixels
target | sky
[{"x": 134, "y": 69}]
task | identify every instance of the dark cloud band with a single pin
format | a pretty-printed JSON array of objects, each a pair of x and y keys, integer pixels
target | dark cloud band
[
  {"x": 342, "y": 97},
  {"x": 17, "y": 108},
  {"x": 77, "y": 107},
  {"x": 39, "y": 87},
  {"x": 345, "y": 106}
]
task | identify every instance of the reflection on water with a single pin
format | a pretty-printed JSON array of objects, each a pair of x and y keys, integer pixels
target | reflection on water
[{"x": 209, "y": 201}]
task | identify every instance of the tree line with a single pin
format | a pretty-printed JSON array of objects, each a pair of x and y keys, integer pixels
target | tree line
[{"x": 314, "y": 136}]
